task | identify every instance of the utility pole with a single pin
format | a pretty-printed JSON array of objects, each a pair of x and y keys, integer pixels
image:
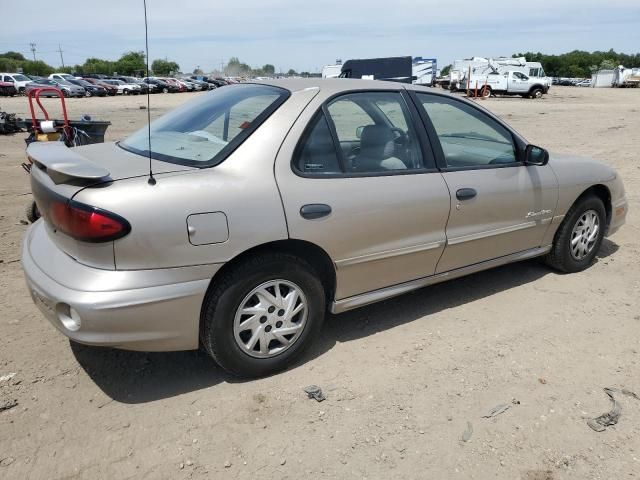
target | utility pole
[
  {"x": 61, "y": 57},
  {"x": 33, "y": 50}
]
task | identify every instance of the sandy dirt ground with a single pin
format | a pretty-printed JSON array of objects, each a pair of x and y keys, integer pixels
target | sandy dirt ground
[{"x": 403, "y": 378}]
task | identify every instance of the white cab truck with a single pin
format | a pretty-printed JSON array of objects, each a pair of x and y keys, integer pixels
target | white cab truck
[
  {"x": 508, "y": 83},
  {"x": 480, "y": 67}
]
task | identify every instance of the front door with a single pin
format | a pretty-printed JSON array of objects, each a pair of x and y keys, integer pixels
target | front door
[
  {"x": 518, "y": 82},
  {"x": 356, "y": 181},
  {"x": 499, "y": 205}
]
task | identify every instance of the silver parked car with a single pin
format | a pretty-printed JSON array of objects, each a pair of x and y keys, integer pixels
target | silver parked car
[{"x": 269, "y": 203}]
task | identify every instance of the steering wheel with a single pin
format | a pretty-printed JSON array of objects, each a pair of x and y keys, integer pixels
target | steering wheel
[{"x": 401, "y": 136}]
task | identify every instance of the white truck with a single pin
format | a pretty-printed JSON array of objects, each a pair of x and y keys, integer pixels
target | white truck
[
  {"x": 480, "y": 67},
  {"x": 19, "y": 81},
  {"x": 507, "y": 83}
]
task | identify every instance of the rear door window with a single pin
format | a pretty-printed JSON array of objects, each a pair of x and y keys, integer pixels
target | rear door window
[{"x": 361, "y": 133}]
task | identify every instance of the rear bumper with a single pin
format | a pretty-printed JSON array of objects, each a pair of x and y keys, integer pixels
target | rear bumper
[{"x": 148, "y": 310}]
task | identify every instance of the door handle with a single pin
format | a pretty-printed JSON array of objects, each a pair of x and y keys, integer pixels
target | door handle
[
  {"x": 313, "y": 211},
  {"x": 466, "y": 193}
]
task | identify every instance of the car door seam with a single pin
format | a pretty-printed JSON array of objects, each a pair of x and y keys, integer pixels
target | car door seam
[{"x": 275, "y": 161}]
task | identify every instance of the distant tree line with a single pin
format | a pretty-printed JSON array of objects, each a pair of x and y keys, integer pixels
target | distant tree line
[
  {"x": 130, "y": 63},
  {"x": 236, "y": 68},
  {"x": 581, "y": 64}
]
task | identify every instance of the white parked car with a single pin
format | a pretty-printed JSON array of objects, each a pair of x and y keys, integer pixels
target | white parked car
[
  {"x": 19, "y": 80},
  {"x": 62, "y": 77},
  {"x": 124, "y": 88}
]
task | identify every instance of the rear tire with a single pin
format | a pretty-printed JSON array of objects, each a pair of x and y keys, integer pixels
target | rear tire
[
  {"x": 221, "y": 314},
  {"x": 568, "y": 238}
]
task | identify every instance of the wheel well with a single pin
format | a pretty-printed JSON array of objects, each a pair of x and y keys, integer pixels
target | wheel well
[
  {"x": 310, "y": 252},
  {"x": 603, "y": 193},
  {"x": 536, "y": 87}
]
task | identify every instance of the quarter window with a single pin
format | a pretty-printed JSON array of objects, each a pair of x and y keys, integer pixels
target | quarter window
[
  {"x": 469, "y": 138},
  {"x": 372, "y": 133},
  {"x": 318, "y": 155}
]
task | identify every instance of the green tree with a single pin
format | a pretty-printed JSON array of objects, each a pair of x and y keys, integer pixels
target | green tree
[
  {"x": 292, "y": 72},
  {"x": 579, "y": 63},
  {"x": 445, "y": 70},
  {"x": 198, "y": 71},
  {"x": 13, "y": 55},
  {"x": 607, "y": 64},
  {"x": 131, "y": 63},
  {"x": 164, "y": 67},
  {"x": 268, "y": 69},
  {"x": 37, "y": 67}
]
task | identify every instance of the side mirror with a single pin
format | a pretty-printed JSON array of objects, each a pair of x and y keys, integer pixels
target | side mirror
[
  {"x": 535, "y": 156},
  {"x": 359, "y": 131}
]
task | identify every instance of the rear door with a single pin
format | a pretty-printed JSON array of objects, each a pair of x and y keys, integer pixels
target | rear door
[
  {"x": 356, "y": 180},
  {"x": 499, "y": 205}
]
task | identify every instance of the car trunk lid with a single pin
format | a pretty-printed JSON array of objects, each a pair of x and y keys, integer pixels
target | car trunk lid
[{"x": 59, "y": 173}]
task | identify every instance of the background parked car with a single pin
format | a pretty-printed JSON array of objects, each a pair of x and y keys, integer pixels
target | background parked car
[
  {"x": 61, "y": 76},
  {"x": 162, "y": 86},
  {"x": 584, "y": 83},
  {"x": 172, "y": 81},
  {"x": 111, "y": 89},
  {"x": 70, "y": 89},
  {"x": 40, "y": 82},
  {"x": 90, "y": 89},
  {"x": 144, "y": 87},
  {"x": 7, "y": 89},
  {"x": 17, "y": 79},
  {"x": 202, "y": 84},
  {"x": 124, "y": 88}
]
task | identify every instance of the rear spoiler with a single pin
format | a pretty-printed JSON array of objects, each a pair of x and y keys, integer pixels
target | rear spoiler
[{"x": 63, "y": 163}]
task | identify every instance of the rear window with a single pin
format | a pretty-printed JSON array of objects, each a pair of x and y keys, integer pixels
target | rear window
[{"x": 205, "y": 130}]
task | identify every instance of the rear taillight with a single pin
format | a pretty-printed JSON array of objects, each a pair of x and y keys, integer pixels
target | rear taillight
[{"x": 86, "y": 223}]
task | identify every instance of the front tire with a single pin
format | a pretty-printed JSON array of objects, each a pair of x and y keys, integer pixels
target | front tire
[
  {"x": 536, "y": 93},
  {"x": 260, "y": 316},
  {"x": 579, "y": 237}
]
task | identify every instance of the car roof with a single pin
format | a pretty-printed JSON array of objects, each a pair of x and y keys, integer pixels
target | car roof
[{"x": 338, "y": 85}]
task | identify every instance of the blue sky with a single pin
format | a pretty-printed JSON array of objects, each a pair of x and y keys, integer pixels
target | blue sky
[{"x": 307, "y": 35}]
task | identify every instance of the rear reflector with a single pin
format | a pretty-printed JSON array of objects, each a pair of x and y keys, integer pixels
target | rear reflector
[{"x": 86, "y": 223}]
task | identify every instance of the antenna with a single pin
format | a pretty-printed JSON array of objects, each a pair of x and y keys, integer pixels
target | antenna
[{"x": 151, "y": 181}]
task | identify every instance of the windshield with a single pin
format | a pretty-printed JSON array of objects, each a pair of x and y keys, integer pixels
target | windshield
[
  {"x": 20, "y": 78},
  {"x": 204, "y": 131}
]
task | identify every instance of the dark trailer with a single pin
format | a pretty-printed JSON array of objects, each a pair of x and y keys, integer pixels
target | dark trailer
[{"x": 393, "y": 69}]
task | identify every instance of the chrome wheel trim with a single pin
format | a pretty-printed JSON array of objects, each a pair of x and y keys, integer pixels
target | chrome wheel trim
[
  {"x": 584, "y": 234},
  {"x": 270, "y": 318}
]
